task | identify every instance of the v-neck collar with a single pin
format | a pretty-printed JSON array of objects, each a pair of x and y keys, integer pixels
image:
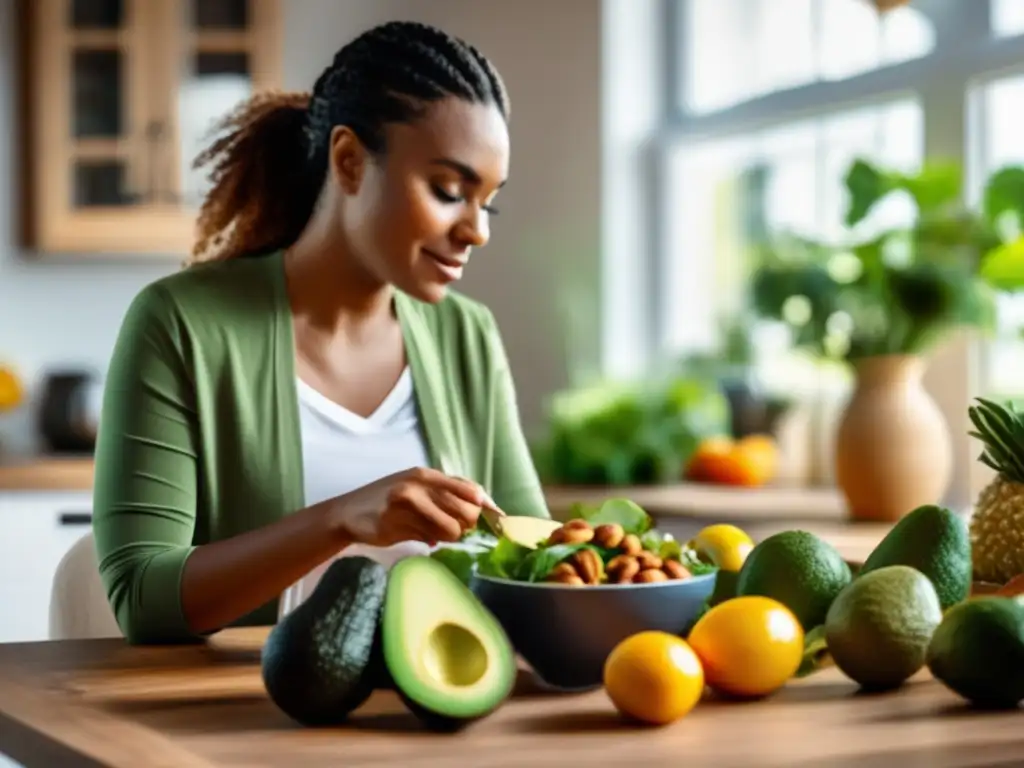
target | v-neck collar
[{"x": 424, "y": 363}]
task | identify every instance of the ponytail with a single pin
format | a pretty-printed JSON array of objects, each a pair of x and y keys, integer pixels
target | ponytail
[{"x": 264, "y": 188}]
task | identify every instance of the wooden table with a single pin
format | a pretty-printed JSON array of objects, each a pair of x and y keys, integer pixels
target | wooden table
[{"x": 104, "y": 703}]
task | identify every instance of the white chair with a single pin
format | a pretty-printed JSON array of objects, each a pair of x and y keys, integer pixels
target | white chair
[{"x": 78, "y": 603}]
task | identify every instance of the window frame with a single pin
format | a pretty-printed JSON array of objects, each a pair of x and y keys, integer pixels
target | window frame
[{"x": 947, "y": 82}]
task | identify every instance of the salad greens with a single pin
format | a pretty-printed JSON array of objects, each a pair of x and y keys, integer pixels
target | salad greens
[{"x": 489, "y": 555}]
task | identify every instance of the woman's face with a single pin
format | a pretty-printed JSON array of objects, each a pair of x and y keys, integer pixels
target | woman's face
[{"x": 413, "y": 215}]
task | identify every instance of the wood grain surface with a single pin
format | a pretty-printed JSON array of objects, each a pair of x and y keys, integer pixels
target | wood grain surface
[{"x": 88, "y": 703}]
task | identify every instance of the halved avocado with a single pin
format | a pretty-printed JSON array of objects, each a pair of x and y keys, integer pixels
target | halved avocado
[
  {"x": 449, "y": 658},
  {"x": 323, "y": 660}
]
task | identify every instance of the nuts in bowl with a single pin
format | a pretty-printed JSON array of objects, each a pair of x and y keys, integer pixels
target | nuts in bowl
[
  {"x": 626, "y": 560},
  {"x": 565, "y": 602}
]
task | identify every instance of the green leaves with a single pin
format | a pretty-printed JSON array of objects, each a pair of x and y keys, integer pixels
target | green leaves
[
  {"x": 901, "y": 288},
  {"x": 935, "y": 187},
  {"x": 1000, "y": 428},
  {"x": 630, "y": 515},
  {"x": 504, "y": 559},
  {"x": 816, "y": 655},
  {"x": 619, "y": 433},
  {"x": 1003, "y": 267},
  {"x": 1004, "y": 194}
]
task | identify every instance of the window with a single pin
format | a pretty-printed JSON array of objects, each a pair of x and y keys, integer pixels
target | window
[
  {"x": 799, "y": 87},
  {"x": 1000, "y": 106},
  {"x": 805, "y": 162},
  {"x": 743, "y": 49},
  {"x": 1007, "y": 18}
]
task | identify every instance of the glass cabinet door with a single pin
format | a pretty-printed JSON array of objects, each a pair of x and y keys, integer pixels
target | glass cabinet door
[{"x": 124, "y": 94}]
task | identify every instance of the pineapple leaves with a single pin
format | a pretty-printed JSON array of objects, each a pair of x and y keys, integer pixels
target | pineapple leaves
[{"x": 1000, "y": 428}]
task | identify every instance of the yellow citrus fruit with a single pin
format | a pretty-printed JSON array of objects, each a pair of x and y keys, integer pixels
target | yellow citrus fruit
[
  {"x": 653, "y": 677},
  {"x": 749, "y": 646},
  {"x": 724, "y": 545},
  {"x": 11, "y": 392}
]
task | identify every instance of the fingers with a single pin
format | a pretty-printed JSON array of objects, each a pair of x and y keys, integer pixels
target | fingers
[
  {"x": 437, "y": 523},
  {"x": 438, "y": 507},
  {"x": 407, "y": 529},
  {"x": 466, "y": 490},
  {"x": 464, "y": 512}
]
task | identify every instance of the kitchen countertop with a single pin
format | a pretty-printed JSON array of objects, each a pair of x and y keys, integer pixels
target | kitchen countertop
[
  {"x": 723, "y": 503},
  {"x": 100, "y": 702},
  {"x": 46, "y": 473},
  {"x": 58, "y": 473}
]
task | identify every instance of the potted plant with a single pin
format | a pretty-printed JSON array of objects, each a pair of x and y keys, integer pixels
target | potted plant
[{"x": 879, "y": 301}]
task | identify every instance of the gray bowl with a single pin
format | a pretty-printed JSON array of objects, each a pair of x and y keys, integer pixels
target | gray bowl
[{"x": 566, "y": 633}]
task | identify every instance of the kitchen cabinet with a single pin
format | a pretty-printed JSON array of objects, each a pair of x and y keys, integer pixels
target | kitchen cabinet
[
  {"x": 120, "y": 96},
  {"x": 36, "y": 530}
]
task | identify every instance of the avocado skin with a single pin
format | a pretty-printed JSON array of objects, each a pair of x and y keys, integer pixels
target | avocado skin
[
  {"x": 936, "y": 542},
  {"x": 322, "y": 661},
  {"x": 432, "y": 721},
  {"x": 800, "y": 570},
  {"x": 978, "y": 651},
  {"x": 878, "y": 628}
]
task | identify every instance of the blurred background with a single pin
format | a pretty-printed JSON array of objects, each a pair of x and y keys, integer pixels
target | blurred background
[{"x": 716, "y": 209}]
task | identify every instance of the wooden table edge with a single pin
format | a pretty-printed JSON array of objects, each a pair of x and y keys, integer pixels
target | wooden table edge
[{"x": 83, "y": 735}]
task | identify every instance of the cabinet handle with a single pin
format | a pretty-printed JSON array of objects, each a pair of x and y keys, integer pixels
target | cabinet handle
[{"x": 75, "y": 518}]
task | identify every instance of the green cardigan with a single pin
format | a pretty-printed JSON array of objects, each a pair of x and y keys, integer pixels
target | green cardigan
[{"x": 199, "y": 437}]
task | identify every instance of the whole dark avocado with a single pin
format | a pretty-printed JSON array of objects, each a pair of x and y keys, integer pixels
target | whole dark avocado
[
  {"x": 936, "y": 542},
  {"x": 798, "y": 569},
  {"x": 324, "y": 659},
  {"x": 978, "y": 651}
]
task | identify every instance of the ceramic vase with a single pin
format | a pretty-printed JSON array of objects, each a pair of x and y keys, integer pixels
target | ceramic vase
[{"x": 893, "y": 447}]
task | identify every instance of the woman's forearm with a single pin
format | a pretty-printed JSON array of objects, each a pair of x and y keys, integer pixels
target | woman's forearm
[{"x": 225, "y": 580}]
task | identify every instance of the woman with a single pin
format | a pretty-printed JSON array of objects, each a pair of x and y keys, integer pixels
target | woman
[{"x": 313, "y": 384}]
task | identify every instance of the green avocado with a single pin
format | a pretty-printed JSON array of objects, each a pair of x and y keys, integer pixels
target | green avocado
[
  {"x": 878, "y": 628},
  {"x": 799, "y": 570},
  {"x": 448, "y": 657},
  {"x": 935, "y": 541},
  {"x": 978, "y": 651},
  {"x": 323, "y": 660}
]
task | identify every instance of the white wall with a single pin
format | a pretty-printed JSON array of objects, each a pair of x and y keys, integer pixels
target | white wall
[{"x": 66, "y": 312}]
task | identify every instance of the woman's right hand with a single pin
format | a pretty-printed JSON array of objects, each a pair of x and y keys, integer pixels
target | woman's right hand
[{"x": 419, "y": 504}]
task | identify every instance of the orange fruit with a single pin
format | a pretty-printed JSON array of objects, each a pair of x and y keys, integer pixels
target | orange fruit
[
  {"x": 11, "y": 391},
  {"x": 750, "y": 461},
  {"x": 653, "y": 677},
  {"x": 749, "y": 646},
  {"x": 724, "y": 545}
]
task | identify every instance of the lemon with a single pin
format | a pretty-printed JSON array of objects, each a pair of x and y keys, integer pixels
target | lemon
[
  {"x": 749, "y": 646},
  {"x": 653, "y": 677},
  {"x": 726, "y": 546},
  {"x": 11, "y": 390}
]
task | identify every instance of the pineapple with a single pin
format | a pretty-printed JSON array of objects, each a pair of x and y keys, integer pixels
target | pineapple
[{"x": 997, "y": 525}]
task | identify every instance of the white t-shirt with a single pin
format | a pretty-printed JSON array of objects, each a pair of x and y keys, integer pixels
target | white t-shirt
[{"x": 342, "y": 451}]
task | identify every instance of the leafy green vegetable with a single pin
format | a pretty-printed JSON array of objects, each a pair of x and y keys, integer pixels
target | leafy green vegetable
[
  {"x": 458, "y": 561},
  {"x": 630, "y": 515},
  {"x": 617, "y": 433},
  {"x": 461, "y": 557},
  {"x": 816, "y": 656},
  {"x": 504, "y": 559},
  {"x": 539, "y": 563}
]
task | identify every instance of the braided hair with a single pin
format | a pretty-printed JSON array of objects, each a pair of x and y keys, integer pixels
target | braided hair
[{"x": 270, "y": 161}]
